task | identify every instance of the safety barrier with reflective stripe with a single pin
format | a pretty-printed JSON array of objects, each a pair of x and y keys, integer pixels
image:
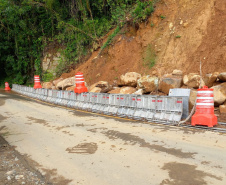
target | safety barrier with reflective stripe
[{"x": 139, "y": 107}]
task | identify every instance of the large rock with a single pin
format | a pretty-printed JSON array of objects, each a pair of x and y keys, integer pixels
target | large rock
[
  {"x": 127, "y": 90},
  {"x": 100, "y": 84},
  {"x": 222, "y": 77},
  {"x": 177, "y": 72},
  {"x": 129, "y": 79},
  {"x": 47, "y": 85},
  {"x": 123, "y": 90},
  {"x": 222, "y": 109},
  {"x": 115, "y": 91},
  {"x": 139, "y": 92},
  {"x": 219, "y": 92},
  {"x": 72, "y": 88},
  {"x": 106, "y": 89},
  {"x": 95, "y": 90},
  {"x": 193, "y": 80},
  {"x": 148, "y": 84},
  {"x": 55, "y": 82},
  {"x": 66, "y": 83},
  {"x": 210, "y": 79},
  {"x": 168, "y": 82},
  {"x": 54, "y": 88},
  {"x": 192, "y": 98}
]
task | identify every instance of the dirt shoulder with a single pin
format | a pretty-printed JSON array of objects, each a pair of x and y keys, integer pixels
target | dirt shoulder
[{"x": 16, "y": 169}]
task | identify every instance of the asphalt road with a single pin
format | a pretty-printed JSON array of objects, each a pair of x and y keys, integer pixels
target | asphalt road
[{"x": 75, "y": 147}]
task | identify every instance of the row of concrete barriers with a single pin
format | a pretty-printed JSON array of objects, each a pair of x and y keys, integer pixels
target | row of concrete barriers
[{"x": 150, "y": 108}]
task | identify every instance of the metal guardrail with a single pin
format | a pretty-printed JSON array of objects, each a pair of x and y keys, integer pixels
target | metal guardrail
[{"x": 150, "y": 108}]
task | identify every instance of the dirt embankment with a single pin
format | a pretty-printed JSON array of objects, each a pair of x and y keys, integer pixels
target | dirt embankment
[{"x": 181, "y": 33}]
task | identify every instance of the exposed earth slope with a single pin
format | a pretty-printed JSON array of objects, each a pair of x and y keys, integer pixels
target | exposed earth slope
[{"x": 178, "y": 35}]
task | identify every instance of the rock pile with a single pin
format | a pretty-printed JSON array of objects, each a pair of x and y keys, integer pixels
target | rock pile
[{"x": 135, "y": 83}]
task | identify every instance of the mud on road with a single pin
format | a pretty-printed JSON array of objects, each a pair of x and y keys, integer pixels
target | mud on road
[{"x": 16, "y": 168}]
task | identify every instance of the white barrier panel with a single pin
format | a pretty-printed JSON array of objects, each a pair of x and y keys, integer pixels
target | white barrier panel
[
  {"x": 132, "y": 106},
  {"x": 106, "y": 104},
  {"x": 141, "y": 107},
  {"x": 151, "y": 107}
]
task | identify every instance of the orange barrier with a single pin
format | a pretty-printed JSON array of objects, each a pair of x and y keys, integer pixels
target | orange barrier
[
  {"x": 7, "y": 88},
  {"x": 204, "y": 114},
  {"x": 80, "y": 83},
  {"x": 37, "y": 84}
]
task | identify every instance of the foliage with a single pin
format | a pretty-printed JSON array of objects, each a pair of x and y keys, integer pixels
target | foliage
[
  {"x": 162, "y": 17},
  {"x": 47, "y": 76},
  {"x": 20, "y": 41},
  {"x": 178, "y": 36},
  {"x": 142, "y": 10},
  {"x": 149, "y": 56},
  {"x": 27, "y": 26},
  {"x": 110, "y": 38}
]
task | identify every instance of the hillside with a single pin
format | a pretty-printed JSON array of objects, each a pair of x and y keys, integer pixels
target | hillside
[{"x": 178, "y": 35}]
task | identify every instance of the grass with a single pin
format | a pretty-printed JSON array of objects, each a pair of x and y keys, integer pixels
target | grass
[
  {"x": 149, "y": 57},
  {"x": 110, "y": 38},
  {"x": 162, "y": 17}
]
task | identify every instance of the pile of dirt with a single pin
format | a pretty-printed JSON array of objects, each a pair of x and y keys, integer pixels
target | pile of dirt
[{"x": 178, "y": 35}]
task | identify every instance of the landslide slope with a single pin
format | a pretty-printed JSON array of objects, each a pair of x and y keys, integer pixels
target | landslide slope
[{"x": 178, "y": 35}]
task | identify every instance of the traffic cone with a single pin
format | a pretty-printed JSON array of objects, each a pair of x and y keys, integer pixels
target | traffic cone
[
  {"x": 80, "y": 83},
  {"x": 204, "y": 114},
  {"x": 37, "y": 84},
  {"x": 7, "y": 88}
]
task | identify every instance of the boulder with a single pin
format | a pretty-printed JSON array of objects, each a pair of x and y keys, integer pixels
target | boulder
[
  {"x": 100, "y": 84},
  {"x": 123, "y": 90},
  {"x": 129, "y": 79},
  {"x": 148, "y": 84},
  {"x": 95, "y": 90},
  {"x": 222, "y": 77},
  {"x": 222, "y": 109},
  {"x": 210, "y": 79},
  {"x": 115, "y": 91},
  {"x": 55, "y": 82},
  {"x": 139, "y": 92},
  {"x": 219, "y": 93},
  {"x": 47, "y": 85},
  {"x": 106, "y": 89},
  {"x": 168, "y": 82},
  {"x": 66, "y": 83},
  {"x": 177, "y": 72},
  {"x": 154, "y": 73},
  {"x": 192, "y": 98},
  {"x": 193, "y": 80},
  {"x": 54, "y": 88},
  {"x": 71, "y": 88},
  {"x": 127, "y": 90}
]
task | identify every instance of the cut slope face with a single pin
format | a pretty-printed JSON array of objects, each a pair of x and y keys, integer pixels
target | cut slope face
[{"x": 178, "y": 35}]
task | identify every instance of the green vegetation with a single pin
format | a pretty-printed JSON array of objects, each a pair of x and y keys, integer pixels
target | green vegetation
[
  {"x": 178, "y": 36},
  {"x": 149, "y": 57},
  {"x": 162, "y": 17},
  {"x": 76, "y": 26},
  {"x": 47, "y": 76}
]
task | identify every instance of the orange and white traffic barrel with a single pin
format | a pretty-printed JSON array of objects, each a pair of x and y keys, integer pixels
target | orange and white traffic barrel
[
  {"x": 37, "y": 84},
  {"x": 7, "y": 88},
  {"x": 80, "y": 83},
  {"x": 204, "y": 114}
]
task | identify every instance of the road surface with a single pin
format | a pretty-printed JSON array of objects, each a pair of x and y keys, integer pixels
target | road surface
[{"x": 75, "y": 147}]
